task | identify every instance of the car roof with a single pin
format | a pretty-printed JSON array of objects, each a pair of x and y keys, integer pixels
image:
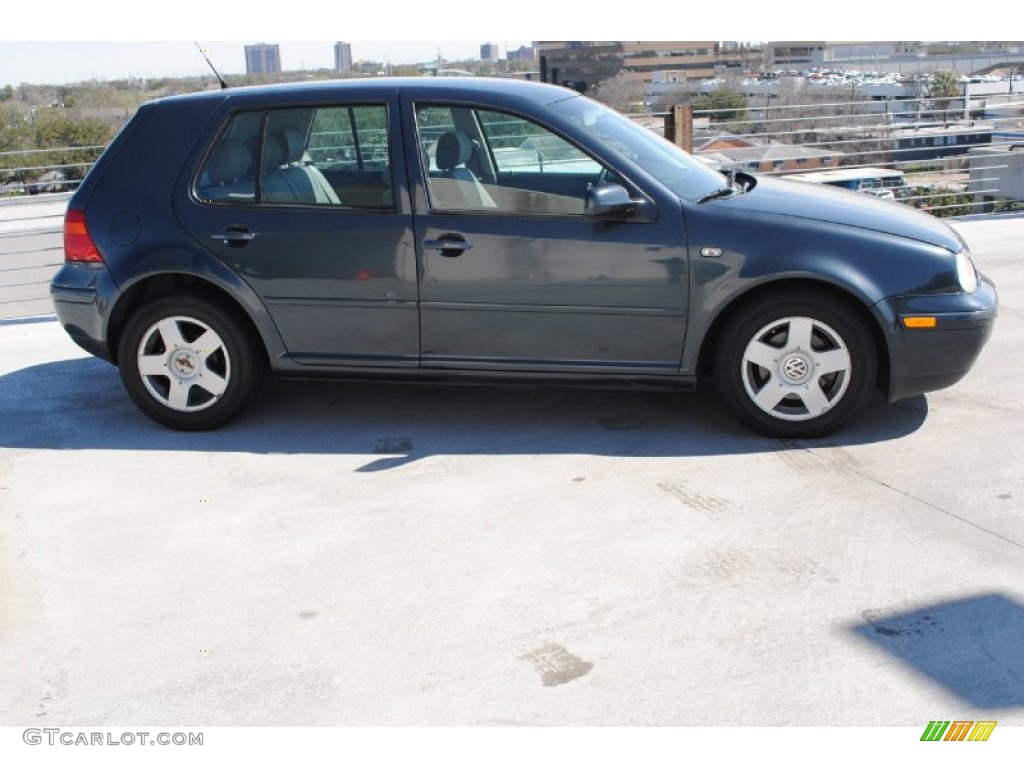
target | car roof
[{"x": 496, "y": 89}]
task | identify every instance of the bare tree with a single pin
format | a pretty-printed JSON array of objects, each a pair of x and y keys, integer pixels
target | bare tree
[
  {"x": 837, "y": 118},
  {"x": 619, "y": 92}
]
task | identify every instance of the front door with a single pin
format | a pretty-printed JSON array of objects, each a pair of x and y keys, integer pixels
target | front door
[{"x": 515, "y": 276}]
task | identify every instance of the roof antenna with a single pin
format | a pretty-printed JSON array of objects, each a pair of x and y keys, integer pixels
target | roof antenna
[{"x": 219, "y": 78}]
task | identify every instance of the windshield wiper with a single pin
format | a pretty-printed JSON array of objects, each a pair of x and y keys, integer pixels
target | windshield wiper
[
  {"x": 726, "y": 191},
  {"x": 723, "y": 192}
]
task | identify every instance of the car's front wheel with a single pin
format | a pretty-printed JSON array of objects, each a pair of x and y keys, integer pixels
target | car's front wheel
[
  {"x": 795, "y": 365},
  {"x": 189, "y": 364}
]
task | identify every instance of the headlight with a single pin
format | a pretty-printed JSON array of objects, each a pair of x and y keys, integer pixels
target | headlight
[{"x": 966, "y": 272}]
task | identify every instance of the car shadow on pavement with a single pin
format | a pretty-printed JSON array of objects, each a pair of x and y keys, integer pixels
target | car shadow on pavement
[
  {"x": 971, "y": 647},
  {"x": 80, "y": 404}
]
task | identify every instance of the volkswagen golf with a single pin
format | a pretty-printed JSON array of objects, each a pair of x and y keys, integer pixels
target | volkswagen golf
[{"x": 492, "y": 229}]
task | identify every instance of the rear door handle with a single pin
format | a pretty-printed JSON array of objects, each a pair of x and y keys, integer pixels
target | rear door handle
[
  {"x": 449, "y": 245},
  {"x": 235, "y": 238}
]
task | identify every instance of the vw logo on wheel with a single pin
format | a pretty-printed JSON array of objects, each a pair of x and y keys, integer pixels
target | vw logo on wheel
[
  {"x": 183, "y": 363},
  {"x": 795, "y": 368}
]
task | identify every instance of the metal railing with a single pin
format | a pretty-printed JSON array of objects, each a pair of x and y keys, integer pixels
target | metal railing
[
  {"x": 20, "y": 176},
  {"x": 933, "y": 147},
  {"x": 929, "y": 144}
]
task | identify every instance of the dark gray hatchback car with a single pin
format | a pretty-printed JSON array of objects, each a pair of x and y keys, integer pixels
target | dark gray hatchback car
[{"x": 479, "y": 228}]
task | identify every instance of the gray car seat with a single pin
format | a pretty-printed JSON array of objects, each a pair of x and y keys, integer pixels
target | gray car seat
[
  {"x": 288, "y": 177},
  {"x": 228, "y": 176},
  {"x": 454, "y": 149}
]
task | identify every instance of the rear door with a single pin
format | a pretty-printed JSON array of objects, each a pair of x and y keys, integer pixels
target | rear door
[{"x": 306, "y": 204}]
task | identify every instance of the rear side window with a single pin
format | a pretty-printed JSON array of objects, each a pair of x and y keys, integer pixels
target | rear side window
[{"x": 311, "y": 156}]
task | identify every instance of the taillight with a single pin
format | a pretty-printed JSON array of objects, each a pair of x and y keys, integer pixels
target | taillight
[{"x": 78, "y": 244}]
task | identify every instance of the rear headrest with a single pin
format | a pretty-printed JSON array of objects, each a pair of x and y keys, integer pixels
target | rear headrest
[
  {"x": 284, "y": 147},
  {"x": 231, "y": 160},
  {"x": 453, "y": 149},
  {"x": 273, "y": 151}
]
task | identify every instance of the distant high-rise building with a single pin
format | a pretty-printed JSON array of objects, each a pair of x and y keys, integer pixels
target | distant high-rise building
[
  {"x": 522, "y": 53},
  {"x": 343, "y": 57},
  {"x": 262, "y": 59},
  {"x": 584, "y": 64},
  {"x": 489, "y": 52}
]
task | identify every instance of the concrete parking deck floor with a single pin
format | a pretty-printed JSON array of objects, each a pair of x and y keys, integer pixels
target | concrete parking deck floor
[{"x": 355, "y": 554}]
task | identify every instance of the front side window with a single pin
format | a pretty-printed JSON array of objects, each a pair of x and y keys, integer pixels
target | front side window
[
  {"x": 488, "y": 161},
  {"x": 519, "y": 146},
  {"x": 314, "y": 156}
]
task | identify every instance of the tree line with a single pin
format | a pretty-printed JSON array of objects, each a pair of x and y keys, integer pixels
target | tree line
[{"x": 35, "y": 142}]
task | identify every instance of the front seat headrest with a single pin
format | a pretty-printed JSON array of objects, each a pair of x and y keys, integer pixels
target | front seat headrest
[{"x": 453, "y": 149}]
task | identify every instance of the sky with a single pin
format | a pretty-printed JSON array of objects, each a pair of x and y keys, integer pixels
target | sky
[
  {"x": 110, "y": 39},
  {"x": 76, "y": 61}
]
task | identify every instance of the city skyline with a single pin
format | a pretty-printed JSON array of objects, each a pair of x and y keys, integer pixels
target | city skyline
[{"x": 60, "y": 63}]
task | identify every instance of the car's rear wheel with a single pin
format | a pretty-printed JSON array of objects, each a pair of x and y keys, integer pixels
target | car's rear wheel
[
  {"x": 189, "y": 364},
  {"x": 795, "y": 365}
]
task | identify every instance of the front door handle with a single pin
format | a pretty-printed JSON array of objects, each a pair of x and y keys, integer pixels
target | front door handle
[{"x": 449, "y": 245}]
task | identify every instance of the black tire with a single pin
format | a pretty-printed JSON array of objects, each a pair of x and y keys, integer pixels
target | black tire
[
  {"x": 196, "y": 388},
  {"x": 794, "y": 365}
]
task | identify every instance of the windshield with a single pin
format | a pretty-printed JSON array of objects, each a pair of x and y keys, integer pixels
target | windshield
[{"x": 679, "y": 171}]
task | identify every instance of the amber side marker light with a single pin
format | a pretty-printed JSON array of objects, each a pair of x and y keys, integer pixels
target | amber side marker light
[
  {"x": 78, "y": 243},
  {"x": 919, "y": 322}
]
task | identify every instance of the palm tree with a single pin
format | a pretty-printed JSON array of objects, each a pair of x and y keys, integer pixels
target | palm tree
[{"x": 945, "y": 86}]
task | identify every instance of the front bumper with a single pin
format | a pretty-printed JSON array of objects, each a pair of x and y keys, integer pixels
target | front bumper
[{"x": 926, "y": 359}]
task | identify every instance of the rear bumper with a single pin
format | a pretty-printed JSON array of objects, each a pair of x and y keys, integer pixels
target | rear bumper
[
  {"x": 82, "y": 294},
  {"x": 926, "y": 359}
]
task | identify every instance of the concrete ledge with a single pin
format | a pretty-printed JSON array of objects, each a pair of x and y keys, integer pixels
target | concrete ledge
[{"x": 33, "y": 215}]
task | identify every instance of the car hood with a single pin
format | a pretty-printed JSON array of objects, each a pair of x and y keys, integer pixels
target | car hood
[{"x": 818, "y": 202}]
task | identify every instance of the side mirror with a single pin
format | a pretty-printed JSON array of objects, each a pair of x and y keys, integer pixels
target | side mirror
[{"x": 609, "y": 201}]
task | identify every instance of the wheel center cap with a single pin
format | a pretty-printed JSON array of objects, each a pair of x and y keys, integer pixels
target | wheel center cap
[
  {"x": 184, "y": 363},
  {"x": 796, "y": 369}
]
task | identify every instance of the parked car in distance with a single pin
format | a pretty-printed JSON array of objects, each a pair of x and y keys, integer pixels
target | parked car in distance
[
  {"x": 885, "y": 183},
  {"x": 881, "y": 194},
  {"x": 474, "y": 228}
]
